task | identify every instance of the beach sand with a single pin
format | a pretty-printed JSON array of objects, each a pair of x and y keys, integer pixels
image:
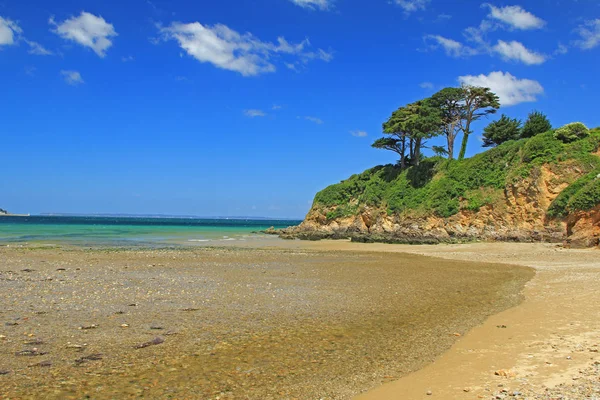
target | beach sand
[
  {"x": 208, "y": 323},
  {"x": 548, "y": 345}
]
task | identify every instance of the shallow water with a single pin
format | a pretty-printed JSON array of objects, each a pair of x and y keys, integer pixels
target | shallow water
[{"x": 133, "y": 231}]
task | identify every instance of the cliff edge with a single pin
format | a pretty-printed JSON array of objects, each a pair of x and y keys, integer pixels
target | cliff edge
[{"x": 537, "y": 189}]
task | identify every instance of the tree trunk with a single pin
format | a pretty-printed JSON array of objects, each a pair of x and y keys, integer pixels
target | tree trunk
[
  {"x": 403, "y": 155},
  {"x": 463, "y": 147},
  {"x": 412, "y": 148},
  {"x": 450, "y": 138},
  {"x": 466, "y": 133},
  {"x": 417, "y": 152}
]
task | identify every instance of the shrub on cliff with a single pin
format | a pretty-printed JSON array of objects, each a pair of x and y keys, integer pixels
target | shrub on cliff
[
  {"x": 572, "y": 132},
  {"x": 536, "y": 124},
  {"x": 501, "y": 131},
  {"x": 443, "y": 187}
]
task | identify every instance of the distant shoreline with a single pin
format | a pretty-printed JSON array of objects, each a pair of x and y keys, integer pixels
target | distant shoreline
[{"x": 15, "y": 215}]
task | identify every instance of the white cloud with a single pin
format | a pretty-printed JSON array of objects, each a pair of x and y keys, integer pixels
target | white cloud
[
  {"x": 443, "y": 17},
  {"x": 510, "y": 89},
  {"x": 314, "y": 4},
  {"x": 589, "y": 32},
  {"x": 37, "y": 49},
  {"x": 72, "y": 77},
  {"x": 316, "y": 120},
  {"x": 359, "y": 133},
  {"x": 451, "y": 47},
  {"x": 127, "y": 59},
  {"x": 88, "y": 30},
  {"x": 561, "y": 49},
  {"x": 254, "y": 113},
  {"x": 276, "y": 107},
  {"x": 515, "y": 17},
  {"x": 410, "y": 6},
  {"x": 426, "y": 85},
  {"x": 9, "y": 31},
  {"x": 517, "y": 51},
  {"x": 227, "y": 49}
]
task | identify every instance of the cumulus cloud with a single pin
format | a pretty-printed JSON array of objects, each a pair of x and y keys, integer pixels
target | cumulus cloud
[
  {"x": 510, "y": 89},
  {"x": 426, "y": 85},
  {"x": 254, "y": 113},
  {"x": 589, "y": 32},
  {"x": 88, "y": 30},
  {"x": 451, "y": 47},
  {"x": 314, "y": 4},
  {"x": 73, "y": 78},
  {"x": 9, "y": 32},
  {"x": 515, "y": 17},
  {"x": 518, "y": 52},
  {"x": 410, "y": 6},
  {"x": 316, "y": 120},
  {"x": 359, "y": 133},
  {"x": 244, "y": 53}
]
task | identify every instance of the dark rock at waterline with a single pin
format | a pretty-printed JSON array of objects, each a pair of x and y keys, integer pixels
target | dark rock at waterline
[{"x": 156, "y": 341}]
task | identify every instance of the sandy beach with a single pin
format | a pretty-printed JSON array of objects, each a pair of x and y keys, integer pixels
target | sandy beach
[
  {"x": 545, "y": 348},
  {"x": 208, "y": 323},
  {"x": 300, "y": 320}
]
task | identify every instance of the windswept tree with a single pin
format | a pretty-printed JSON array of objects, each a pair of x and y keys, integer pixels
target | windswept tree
[
  {"x": 408, "y": 129},
  {"x": 536, "y": 123},
  {"x": 397, "y": 137},
  {"x": 449, "y": 102},
  {"x": 501, "y": 131},
  {"x": 423, "y": 122},
  {"x": 477, "y": 102},
  {"x": 393, "y": 144}
]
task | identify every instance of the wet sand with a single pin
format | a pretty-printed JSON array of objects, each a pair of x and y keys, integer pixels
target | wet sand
[
  {"x": 286, "y": 323},
  {"x": 548, "y": 345}
]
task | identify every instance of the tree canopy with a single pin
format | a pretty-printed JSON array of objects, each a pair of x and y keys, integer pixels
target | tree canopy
[
  {"x": 408, "y": 128},
  {"x": 536, "y": 123},
  {"x": 449, "y": 102},
  {"x": 501, "y": 131},
  {"x": 478, "y": 102},
  {"x": 448, "y": 112}
]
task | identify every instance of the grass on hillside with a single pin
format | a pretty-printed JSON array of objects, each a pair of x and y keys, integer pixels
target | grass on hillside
[{"x": 444, "y": 187}]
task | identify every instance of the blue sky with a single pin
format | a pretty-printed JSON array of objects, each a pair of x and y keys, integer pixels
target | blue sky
[{"x": 248, "y": 108}]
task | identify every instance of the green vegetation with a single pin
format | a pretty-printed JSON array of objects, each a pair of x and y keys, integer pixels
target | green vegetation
[
  {"x": 501, "y": 131},
  {"x": 572, "y": 132},
  {"x": 443, "y": 186},
  {"x": 536, "y": 123},
  {"x": 478, "y": 102},
  {"x": 581, "y": 195},
  {"x": 2, "y": 211},
  {"x": 448, "y": 112}
]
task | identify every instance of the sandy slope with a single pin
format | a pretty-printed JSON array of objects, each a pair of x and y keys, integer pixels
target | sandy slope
[{"x": 549, "y": 345}]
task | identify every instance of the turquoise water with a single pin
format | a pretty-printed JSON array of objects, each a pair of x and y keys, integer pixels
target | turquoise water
[{"x": 131, "y": 231}]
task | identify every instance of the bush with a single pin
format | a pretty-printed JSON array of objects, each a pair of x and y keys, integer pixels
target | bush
[
  {"x": 445, "y": 187},
  {"x": 572, "y": 132},
  {"x": 542, "y": 149},
  {"x": 501, "y": 131},
  {"x": 587, "y": 198},
  {"x": 536, "y": 124}
]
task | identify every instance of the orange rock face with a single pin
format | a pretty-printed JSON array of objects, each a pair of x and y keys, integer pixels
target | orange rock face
[{"x": 519, "y": 214}]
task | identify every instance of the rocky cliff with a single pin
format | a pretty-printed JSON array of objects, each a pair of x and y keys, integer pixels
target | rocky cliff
[{"x": 538, "y": 189}]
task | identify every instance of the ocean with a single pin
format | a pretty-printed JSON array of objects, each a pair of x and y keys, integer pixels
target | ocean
[{"x": 132, "y": 231}]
